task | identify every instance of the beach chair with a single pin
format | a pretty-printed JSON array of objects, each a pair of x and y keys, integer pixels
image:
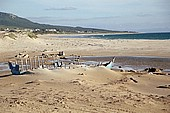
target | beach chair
[{"x": 14, "y": 68}]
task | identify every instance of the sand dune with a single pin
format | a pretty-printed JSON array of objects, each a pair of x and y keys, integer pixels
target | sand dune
[{"x": 83, "y": 90}]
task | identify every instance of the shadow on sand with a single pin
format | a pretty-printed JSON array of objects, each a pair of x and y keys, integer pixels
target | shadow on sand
[{"x": 24, "y": 73}]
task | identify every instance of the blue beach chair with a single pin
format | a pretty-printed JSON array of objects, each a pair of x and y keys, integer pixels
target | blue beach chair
[{"x": 14, "y": 69}]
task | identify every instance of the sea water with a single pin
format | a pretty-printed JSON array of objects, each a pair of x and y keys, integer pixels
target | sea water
[{"x": 149, "y": 36}]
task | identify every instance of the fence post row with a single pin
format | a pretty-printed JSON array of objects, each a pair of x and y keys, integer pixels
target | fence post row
[
  {"x": 43, "y": 62},
  {"x": 35, "y": 62}
]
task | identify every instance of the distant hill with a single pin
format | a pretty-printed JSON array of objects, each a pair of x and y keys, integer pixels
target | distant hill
[{"x": 13, "y": 21}]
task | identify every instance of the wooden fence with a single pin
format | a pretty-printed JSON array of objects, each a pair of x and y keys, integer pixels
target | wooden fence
[
  {"x": 35, "y": 62},
  {"x": 50, "y": 62}
]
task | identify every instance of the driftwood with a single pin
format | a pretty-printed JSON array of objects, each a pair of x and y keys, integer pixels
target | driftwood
[
  {"x": 164, "y": 86},
  {"x": 134, "y": 80}
]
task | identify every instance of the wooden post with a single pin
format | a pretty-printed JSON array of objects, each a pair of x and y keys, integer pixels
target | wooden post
[
  {"x": 16, "y": 62},
  {"x": 33, "y": 62},
  {"x": 22, "y": 68},
  {"x": 42, "y": 62},
  {"x": 38, "y": 61},
  {"x": 26, "y": 63},
  {"x": 30, "y": 63},
  {"x": 53, "y": 61}
]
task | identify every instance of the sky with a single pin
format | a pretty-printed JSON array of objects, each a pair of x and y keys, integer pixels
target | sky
[{"x": 119, "y": 15}]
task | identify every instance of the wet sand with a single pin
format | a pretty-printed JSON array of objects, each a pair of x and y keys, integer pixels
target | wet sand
[{"x": 135, "y": 62}]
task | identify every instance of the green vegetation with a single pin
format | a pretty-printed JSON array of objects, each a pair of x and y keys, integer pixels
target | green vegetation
[
  {"x": 10, "y": 35},
  {"x": 32, "y": 35}
]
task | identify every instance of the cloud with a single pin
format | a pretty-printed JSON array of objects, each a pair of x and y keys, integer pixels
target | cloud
[
  {"x": 62, "y": 9},
  {"x": 60, "y": 19},
  {"x": 145, "y": 15}
]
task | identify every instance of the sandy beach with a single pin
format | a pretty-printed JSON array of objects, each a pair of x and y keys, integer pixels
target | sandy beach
[
  {"x": 83, "y": 89},
  {"x": 83, "y": 47}
]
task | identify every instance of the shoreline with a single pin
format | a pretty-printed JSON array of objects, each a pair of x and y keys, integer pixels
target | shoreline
[
  {"x": 72, "y": 34},
  {"x": 94, "y": 36}
]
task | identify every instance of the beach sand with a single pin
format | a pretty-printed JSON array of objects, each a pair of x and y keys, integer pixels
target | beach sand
[
  {"x": 83, "y": 89},
  {"x": 83, "y": 47}
]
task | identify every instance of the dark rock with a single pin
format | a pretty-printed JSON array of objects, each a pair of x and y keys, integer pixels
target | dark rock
[{"x": 153, "y": 70}]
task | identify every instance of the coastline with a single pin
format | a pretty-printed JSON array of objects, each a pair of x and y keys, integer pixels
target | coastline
[
  {"x": 116, "y": 36},
  {"x": 86, "y": 88}
]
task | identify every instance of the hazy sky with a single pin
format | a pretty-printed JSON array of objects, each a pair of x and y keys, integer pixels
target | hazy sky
[{"x": 129, "y": 15}]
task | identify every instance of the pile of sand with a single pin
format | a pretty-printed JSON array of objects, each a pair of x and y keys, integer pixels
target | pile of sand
[{"x": 83, "y": 89}]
